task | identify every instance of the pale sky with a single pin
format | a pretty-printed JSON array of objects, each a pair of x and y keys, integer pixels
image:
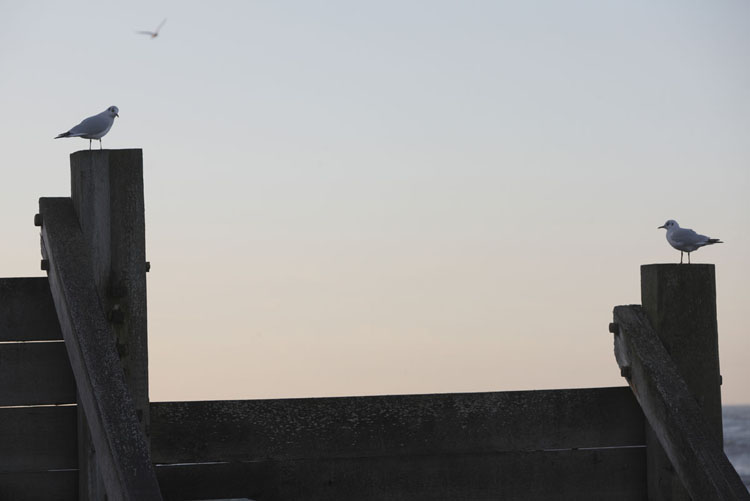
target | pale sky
[{"x": 350, "y": 198}]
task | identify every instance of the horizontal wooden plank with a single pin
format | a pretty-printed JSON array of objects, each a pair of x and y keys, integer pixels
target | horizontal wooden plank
[
  {"x": 38, "y": 438},
  {"x": 27, "y": 312},
  {"x": 612, "y": 474},
  {"x": 673, "y": 413},
  {"x": 46, "y": 485},
  {"x": 399, "y": 424},
  {"x": 35, "y": 374}
]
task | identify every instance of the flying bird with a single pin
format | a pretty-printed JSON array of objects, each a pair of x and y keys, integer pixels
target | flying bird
[
  {"x": 685, "y": 239},
  {"x": 155, "y": 33},
  {"x": 95, "y": 127}
]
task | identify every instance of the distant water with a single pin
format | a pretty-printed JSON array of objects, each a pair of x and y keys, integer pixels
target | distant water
[{"x": 737, "y": 438}]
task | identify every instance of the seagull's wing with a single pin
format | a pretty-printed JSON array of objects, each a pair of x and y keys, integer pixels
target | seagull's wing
[
  {"x": 162, "y": 24},
  {"x": 91, "y": 126},
  {"x": 689, "y": 237}
]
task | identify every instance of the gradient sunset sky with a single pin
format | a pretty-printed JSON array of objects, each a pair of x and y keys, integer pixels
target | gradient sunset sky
[{"x": 349, "y": 198}]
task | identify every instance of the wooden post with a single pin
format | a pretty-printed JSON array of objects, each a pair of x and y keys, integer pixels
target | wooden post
[
  {"x": 107, "y": 196},
  {"x": 680, "y": 302}
]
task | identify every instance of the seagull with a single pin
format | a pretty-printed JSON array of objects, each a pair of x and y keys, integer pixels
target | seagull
[
  {"x": 154, "y": 33},
  {"x": 95, "y": 127},
  {"x": 686, "y": 240}
]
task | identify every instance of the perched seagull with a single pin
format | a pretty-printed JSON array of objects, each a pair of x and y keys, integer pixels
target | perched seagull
[
  {"x": 155, "y": 33},
  {"x": 95, "y": 127},
  {"x": 686, "y": 240}
]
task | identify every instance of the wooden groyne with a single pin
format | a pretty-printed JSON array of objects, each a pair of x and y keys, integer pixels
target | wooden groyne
[{"x": 76, "y": 422}]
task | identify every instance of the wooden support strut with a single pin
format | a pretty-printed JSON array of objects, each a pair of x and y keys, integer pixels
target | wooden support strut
[
  {"x": 673, "y": 413},
  {"x": 123, "y": 457}
]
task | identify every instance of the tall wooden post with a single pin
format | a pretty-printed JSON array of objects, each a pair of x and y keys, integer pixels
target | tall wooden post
[
  {"x": 680, "y": 302},
  {"x": 107, "y": 195}
]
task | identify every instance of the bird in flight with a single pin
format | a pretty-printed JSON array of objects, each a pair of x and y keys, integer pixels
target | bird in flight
[
  {"x": 155, "y": 33},
  {"x": 95, "y": 127},
  {"x": 685, "y": 239}
]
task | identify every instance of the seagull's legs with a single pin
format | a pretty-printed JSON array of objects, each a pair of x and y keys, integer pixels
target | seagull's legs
[
  {"x": 680, "y": 257},
  {"x": 100, "y": 147},
  {"x": 688, "y": 258},
  {"x": 89, "y": 144}
]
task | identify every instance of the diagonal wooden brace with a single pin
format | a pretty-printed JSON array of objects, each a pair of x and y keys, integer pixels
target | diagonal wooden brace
[
  {"x": 122, "y": 451},
  {"x": 671, "y": 410}
]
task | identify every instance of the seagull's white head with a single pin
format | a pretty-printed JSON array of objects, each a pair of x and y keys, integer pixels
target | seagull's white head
[
  {"x": 670, "y": 224},
  {"x": 113, "y": 111}
]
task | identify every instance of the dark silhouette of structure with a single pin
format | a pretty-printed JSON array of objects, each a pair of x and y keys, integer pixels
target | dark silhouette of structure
[{"x": 76, "y": 422}]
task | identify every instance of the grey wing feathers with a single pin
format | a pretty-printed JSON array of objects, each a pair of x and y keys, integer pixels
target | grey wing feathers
[
  {"x": 90, "y": 126},
  {"x": 689, "y": 236}
]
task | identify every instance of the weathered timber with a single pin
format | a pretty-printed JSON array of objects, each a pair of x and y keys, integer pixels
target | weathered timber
[
  {"x": 398, "y": 424},
  {"x": 121, "y": 447},
  {"x": 680, "y": 302},
  {"x": 35, "y": 374},
  {"x": 612, "y": 474},
  {"x": 37, "y": 439},
  {"x": 90, "y": 484},
  {"x": 40, "y": 485},
  {"x": 26, "y": 310},
  {"x": 107, "y": 195},
  {"x": 673, "y": 413}
]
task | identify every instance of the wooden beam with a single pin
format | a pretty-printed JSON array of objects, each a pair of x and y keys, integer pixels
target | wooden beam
[
  {"x": 399, "y": 424},
  {"x": 46, "y": 485},
  {"x": 107, "y": 193},
  {"x": 671, "y": 410},
  {"x": 680, "y": 303},
  {"x": 38, "y": 438},
  {"x": 26, "y": 310},
  {"x": 35, "y": 374},
  {"x": 122, "y": 450},
  {"x": 106, "y": 189},
  {"x": 574, "y": 475}
]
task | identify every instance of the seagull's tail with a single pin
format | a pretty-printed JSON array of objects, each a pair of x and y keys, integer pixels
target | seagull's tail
[
  {"x": 64, "y": 134},
  {"x": 714, "y": 241}
]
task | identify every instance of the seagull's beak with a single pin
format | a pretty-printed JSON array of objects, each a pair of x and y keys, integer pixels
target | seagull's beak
[
  {"x": 117, "y": 115},
  {"x": 662, "y": 226}
]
